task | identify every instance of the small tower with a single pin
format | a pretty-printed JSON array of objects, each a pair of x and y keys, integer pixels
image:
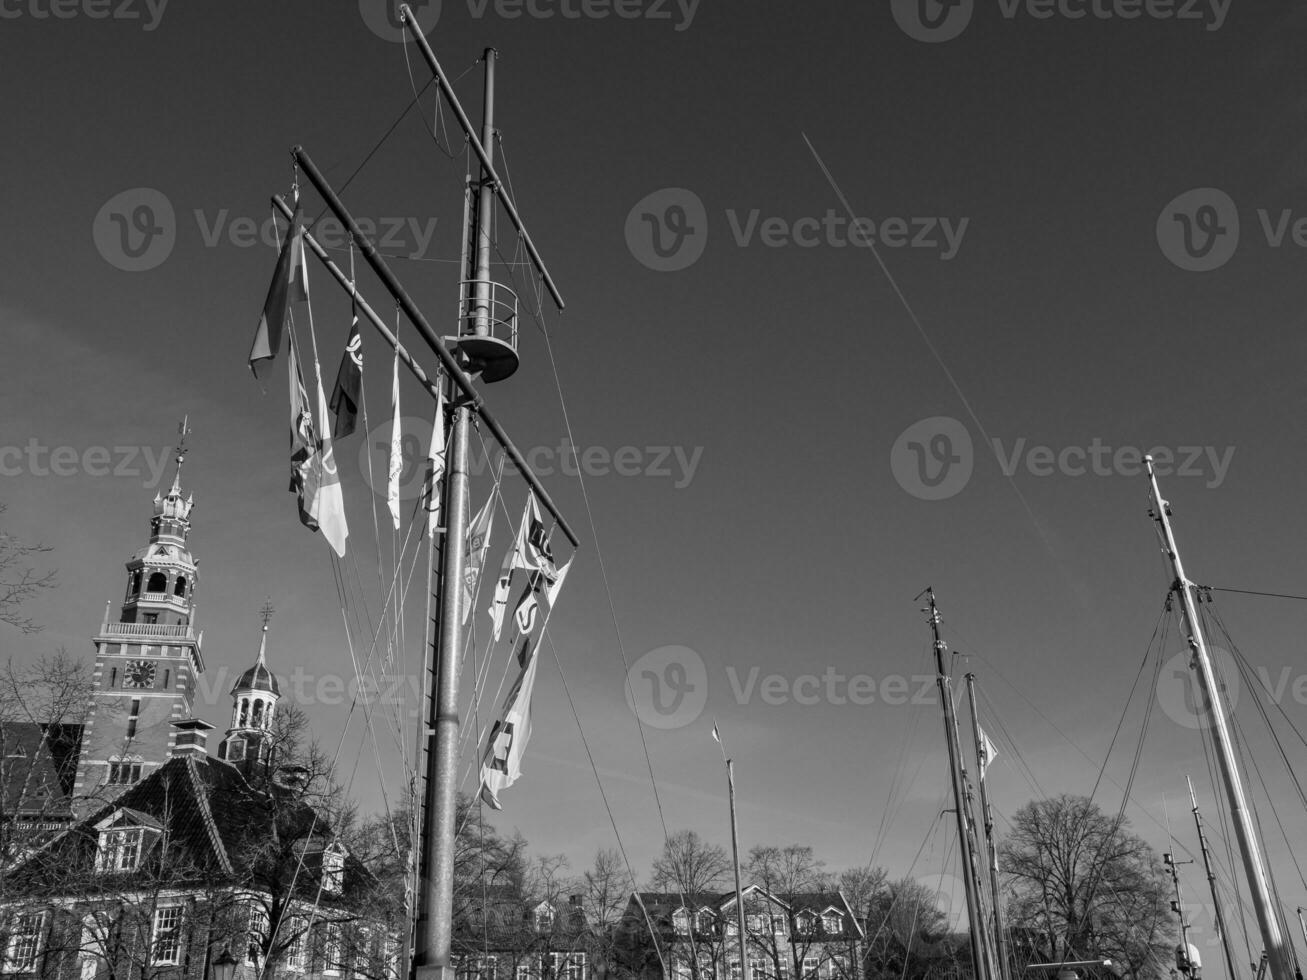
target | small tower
[
  {"x": 254, "y": 702},
  {"x": 146, "y": 663}
]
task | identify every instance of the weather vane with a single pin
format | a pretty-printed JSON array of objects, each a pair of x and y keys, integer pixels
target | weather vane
[
  {"x": 184, "y": 429},
  {"x": 267, "y": 611}
]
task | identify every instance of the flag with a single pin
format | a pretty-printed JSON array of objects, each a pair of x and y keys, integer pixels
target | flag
[
  {"x": 396, "y": 450},
  {"x": 533, "y": 549},
  {"x": 288, "y": 283},
  {"x": 516, "y": 558},
  {"x": 478, "y": 542},
  {"x": 329, "y": 503},
  {"x": 525, "y": 613},
  {"x": 501, "y": 765},
  {"x": 303, "y": 443},
  {"x": 436, "y": 469},
  {"x": 556, "y": 586},
  {"x": 988, "y": 751},
  {"x": 717, "y": 736},
  {"x": 349, "y": 382}
]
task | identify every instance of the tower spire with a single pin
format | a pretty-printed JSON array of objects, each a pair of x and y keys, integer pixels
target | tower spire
[
  {"x": 184, "y": 429},
  {"x": 266, "y": 612}
]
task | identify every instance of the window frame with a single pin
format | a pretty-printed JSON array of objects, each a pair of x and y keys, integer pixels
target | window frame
[
  {"x": 169, "y": 938},
  {"x": 29, "y": 938}
]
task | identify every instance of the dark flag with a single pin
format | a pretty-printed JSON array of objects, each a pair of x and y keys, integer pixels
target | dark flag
[
  {"x": 287, "y": 284},
  {"x": 349, "y": 380}
]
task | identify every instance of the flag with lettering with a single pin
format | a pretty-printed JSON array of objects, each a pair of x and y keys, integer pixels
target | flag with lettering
[
  {"x": 436, "y": 465},
  {"x": 303, "y": 442},
  {"x": 501, "y": 764},
  {"x": 515, "y": 558},
  {"x": 329, "y": 501},
  {"x": 288, "y": 283},
  {"x": 349, "y": 383}
]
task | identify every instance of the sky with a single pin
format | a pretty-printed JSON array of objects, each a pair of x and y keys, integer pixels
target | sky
[{"x": 1088, "y": 233}]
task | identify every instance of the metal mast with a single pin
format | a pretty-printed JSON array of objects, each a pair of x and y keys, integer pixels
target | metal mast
[
  {"x": 1000, "y": 938},
  {"x": 1211, "y": 882},
  {"x": 1249, "y": 846},
  {"x": 975, "y": 914},
  {"x": 1177, "y": 906}
]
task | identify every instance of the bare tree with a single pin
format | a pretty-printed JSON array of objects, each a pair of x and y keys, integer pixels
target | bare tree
[
  {"x": 689, "y": 865},
  {"x": 1086, "y": 887},
  {"x": 19, "y": 581}
]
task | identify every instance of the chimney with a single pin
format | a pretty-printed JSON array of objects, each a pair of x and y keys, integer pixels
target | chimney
[{"x": 191, "y": 737}]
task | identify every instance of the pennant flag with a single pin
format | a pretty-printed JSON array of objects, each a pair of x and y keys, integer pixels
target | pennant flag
[
  {"x": 502, "y": 763},
  {"x": 988, "y": 751},
  {"x": 396, "y": 450},
  {"x": 533, "y": 550},
  {"x": 556, "y": 586},
  {"x": 349, "y": 382},
  {"x": 515, "y": 558},
  {"x": 303, "y": 443},
  {"x": 329, "y": 502},
  {"x": 717, "y": 736},
  {"x": 478, "y": 542},
  {"x": 525, "y": 613},
  {"x": 436, "y": 468},
  {"x": 288, "y": 283}
]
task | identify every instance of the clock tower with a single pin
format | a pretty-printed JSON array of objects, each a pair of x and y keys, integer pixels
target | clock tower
[{"x": 146, "y": 663}]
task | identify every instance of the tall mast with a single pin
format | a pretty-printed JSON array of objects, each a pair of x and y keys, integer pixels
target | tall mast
[
  {"x": 1250, "y": 848},
  {"x": 1211, "y": 882},
  {"x": 1178, "y": 905},
  {"x": 982, "y": 759},
  {"x": 434, "y": 935},
  {"x": 975, "y": 915}
]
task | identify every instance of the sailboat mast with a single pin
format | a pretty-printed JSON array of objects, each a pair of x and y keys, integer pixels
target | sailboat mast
[
  {"x": 975, "y": 916},
  {"x": 1000, "y": 938},
  {"x": 435, "y": 927},
  {"x": 1211, "y": 881},
  {"x": 1254, "y": 867}
]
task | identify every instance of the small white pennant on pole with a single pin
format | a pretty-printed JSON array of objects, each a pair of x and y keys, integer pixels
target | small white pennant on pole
[
  {"x": 436, "y": 456},
  {"x": 396, "y": 450}
]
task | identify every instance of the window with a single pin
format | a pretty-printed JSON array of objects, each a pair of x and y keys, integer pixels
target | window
[
  {"x": 544, "y": 917},
  {"x": 362, "y": 952},
  {"x": 704, "y": 920},
  {"x": 833, "y": 923},
  {"x": 681, "y": 969},
  {"x": 803, "y": 923},
  {"x": 778, "y": 923},
  {"x": 113, "y": 676},
  {"x": 681, "y": 922},
  {"x": 120, "y": 850},
  {"x": 754, "y": 922},
  {"x": 124, "y": 773},
  {"x": 24, "y": 943},
  {"x": 133, "y": 717},
  {"x": 150, "y": 617},
  {"x": 136, "y": 583},
  {"x": 296, "y": 947},
  {"x": 158, "y": 583},
  {"x": 256, "y": 933},
  {"x": 568, "y": 966},
  {"x": 331, "y": 949},
  {"x": 333, "y": 869},
  {"x": 757, "y": 969},
  {"x": 810, "y": 965},
  {"x": 167, "y": 935},
  {"x": 526, "y": 969},
  {"x": 735, "y": 973},
  {"x": 180, "y": 587}
]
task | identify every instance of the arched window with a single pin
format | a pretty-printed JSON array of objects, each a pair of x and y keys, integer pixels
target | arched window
[
  {"x": 180, "y": 587},
  {"x": 244, "y": 715},
  {"x": 136, "y": 582},
  {"x": 257, "y": 719},
  {"x": 158, "y": 583}
]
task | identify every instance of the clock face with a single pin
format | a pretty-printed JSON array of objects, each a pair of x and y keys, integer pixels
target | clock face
[{"x": 140, "y": 673}]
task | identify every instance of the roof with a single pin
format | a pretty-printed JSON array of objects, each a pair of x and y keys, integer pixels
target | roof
[
  {"x": 38, "y": 764},
  {"x": 218, "y": 827},
  {"x": 662, "y": 905},
  {"x": 257, "y": 678}
]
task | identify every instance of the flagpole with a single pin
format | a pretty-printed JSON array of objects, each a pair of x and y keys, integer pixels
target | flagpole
[
  {"x": 735, "y": 857},
  {"x": 982, "y": 762}
]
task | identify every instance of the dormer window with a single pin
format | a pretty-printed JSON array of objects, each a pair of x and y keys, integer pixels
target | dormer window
[
  {"x": 544, "y": 917},
  {"x": 125, "y": 837},
  {"x": 803, "y": 923},
  {"x": 832, "y": 922},
  {"x": 333, "y": 869},
  {"x": 681, "y": 922}
]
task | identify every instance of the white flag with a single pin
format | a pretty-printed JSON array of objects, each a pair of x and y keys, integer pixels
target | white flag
[
  {"x": 988, "y": 752},
  {"x": 478, "y": 542},
  {"x": 530, "y": 550},
  {"x": 717, "y": 736},
  {"x": 502, "y": 763},
  {"x": 556, "y": 586},
  {"x": 396, "y": 450},
  {"x": 328, "y": 506},
  {"x": 436, "y": 458}
]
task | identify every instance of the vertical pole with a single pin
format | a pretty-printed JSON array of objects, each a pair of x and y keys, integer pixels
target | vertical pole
[
  {"x": 1211, "y": 883},
  {"x": 1000, "y": 938},
  {"x": 1301, "y": 924},
  {"x": 485, "y": 205},
  {"x": 739, "y": 892},
  {"x": 974, "y": 914},
  {"x": 1178, "y": 904},
  {"x": 1249, "y": 846},
  {"x": 435, "y": 928}
]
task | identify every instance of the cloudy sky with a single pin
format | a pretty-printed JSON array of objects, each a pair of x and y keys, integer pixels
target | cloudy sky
[{"x": 1089, "y": 242}]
